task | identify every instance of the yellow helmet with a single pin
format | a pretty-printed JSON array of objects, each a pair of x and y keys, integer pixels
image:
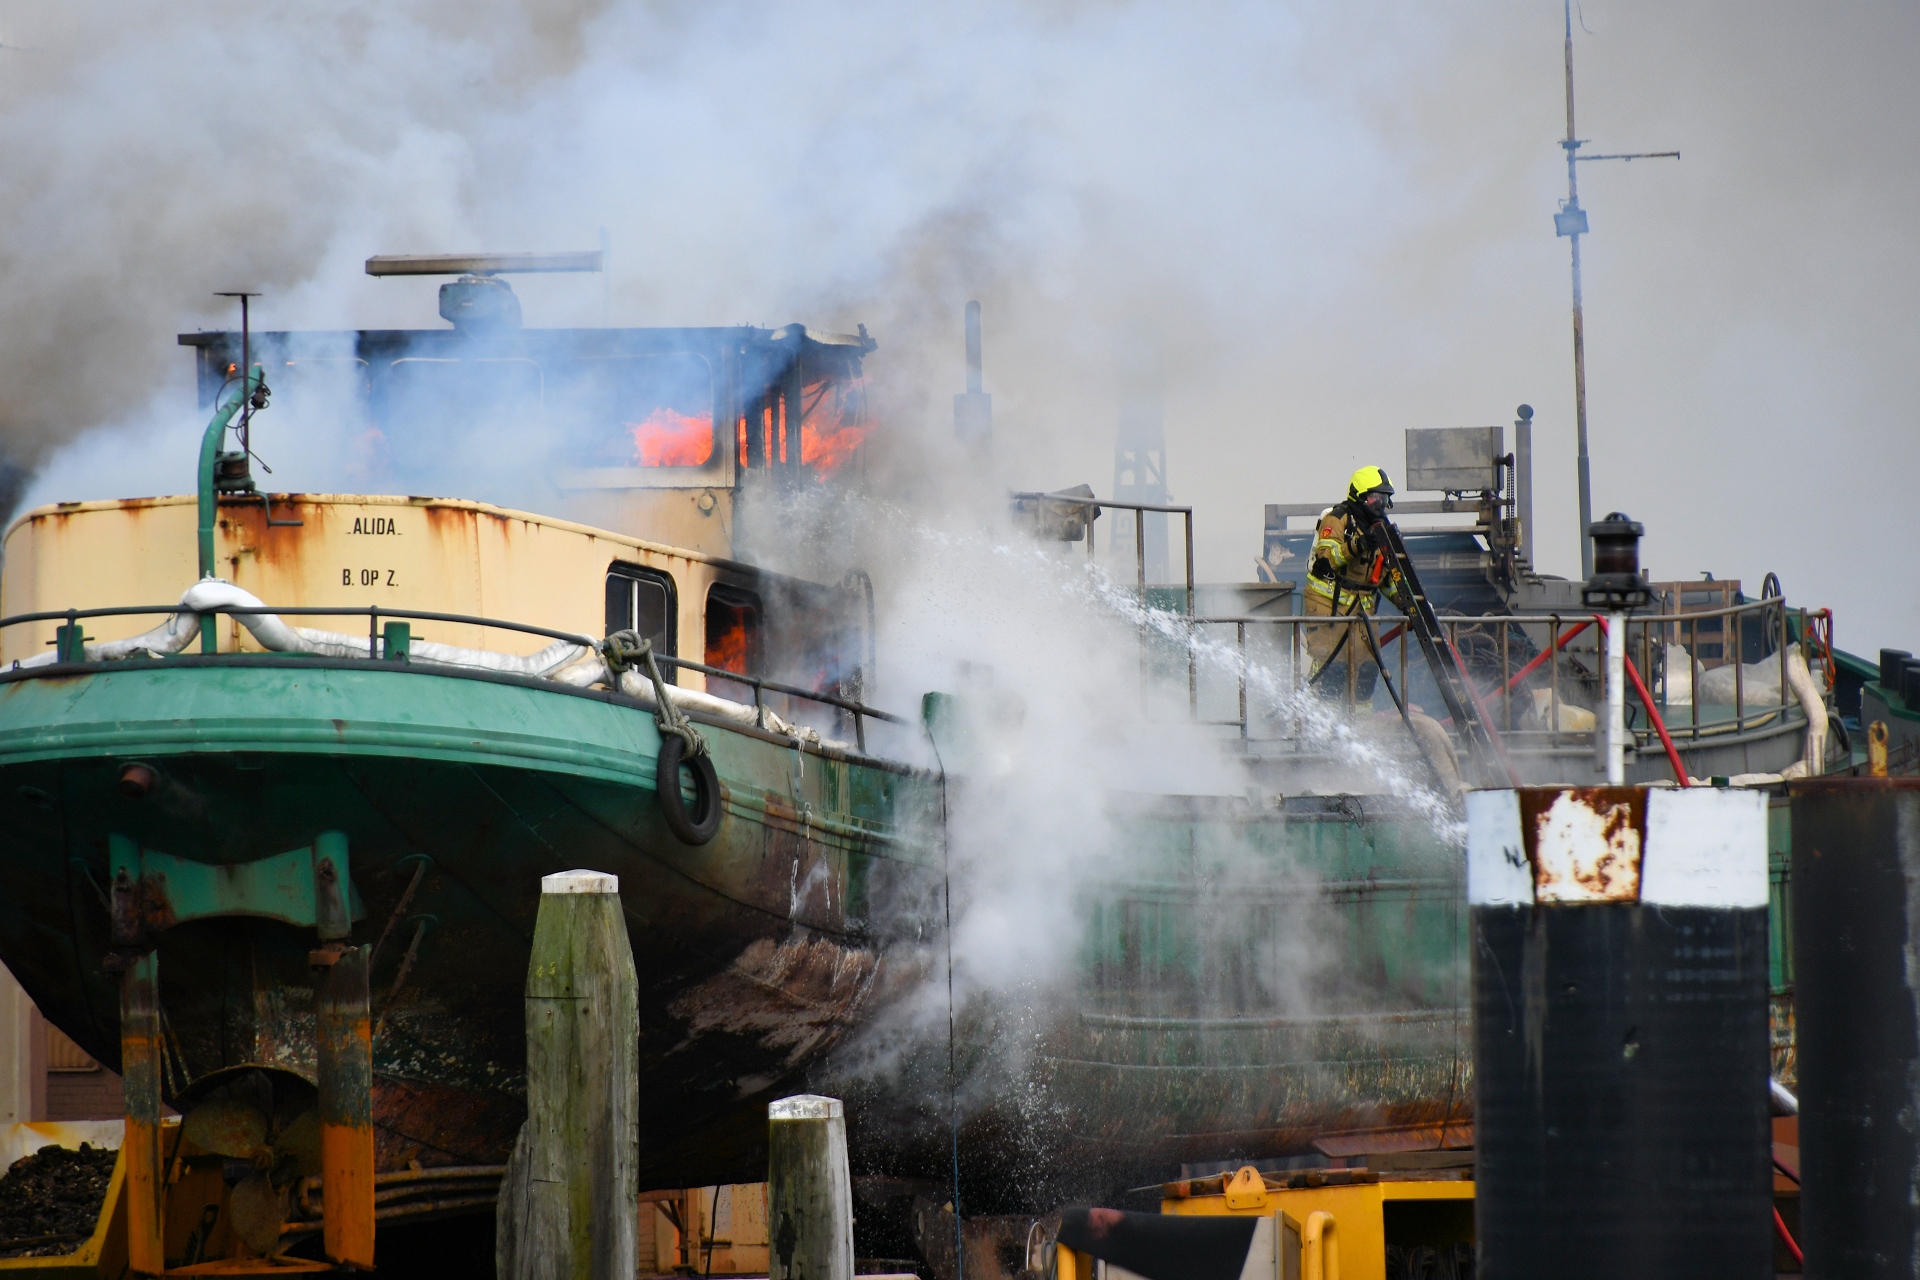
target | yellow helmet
[{"x": 1365, "y": 481}]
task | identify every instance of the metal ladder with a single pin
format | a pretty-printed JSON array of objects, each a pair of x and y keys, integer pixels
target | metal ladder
[{"x": 1449, "y": 669}]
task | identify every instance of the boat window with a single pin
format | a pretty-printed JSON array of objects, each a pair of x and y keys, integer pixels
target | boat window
[
  {"x": 832, "y": 420},
  {"x": 641, "y": 600},
  {"x": 424, "y": 394},
  {"x": 735, "y": 625},
  {"x": 640, "y": 411}
]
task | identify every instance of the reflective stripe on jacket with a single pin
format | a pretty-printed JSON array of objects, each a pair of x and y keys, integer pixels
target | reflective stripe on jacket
[{"x": 1341, "y": 546}]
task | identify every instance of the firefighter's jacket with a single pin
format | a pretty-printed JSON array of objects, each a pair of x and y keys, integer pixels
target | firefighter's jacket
[{"x": 1345, "y": 573}]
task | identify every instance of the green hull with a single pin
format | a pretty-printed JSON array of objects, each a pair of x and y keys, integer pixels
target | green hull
[
  {"x": 756, "y": 952},
  {"x": 1247, "y": 981},
  {"x": 1253, "y": 979},
  {"x": 1289, "y": 972}
]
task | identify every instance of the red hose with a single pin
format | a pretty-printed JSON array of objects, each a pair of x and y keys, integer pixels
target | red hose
[
  {"x": 1786, "y": 1237},
  {"x": 1534, "y": 666},
  {"x": 1660, "y": 726}
]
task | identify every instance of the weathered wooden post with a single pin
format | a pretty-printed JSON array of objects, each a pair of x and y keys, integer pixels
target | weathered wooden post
[
  {"x": 570, "y": 1203},
  {"x": 809, "y": 1190}
]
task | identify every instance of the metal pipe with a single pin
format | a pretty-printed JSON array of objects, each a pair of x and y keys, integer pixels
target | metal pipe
[
  {"x": 210, "y": 441},
  {"x": 1693, "y": 669},
  {"x": 1193, "y": 657},
  {"x": 1523, "y": 480},
  {"x": 1506, "y": 670},
  {"x": 1241, "y": 635},
  {"x": 973, "y": 348},
  {"x": 1616, "y": 699},
  {"x": 1553, "y": 676},
  {"x": 1739, "y": 673},
  {"x": 1653, "y": 713},
  {"x": 1320, "y": 1246},
  {"x": 1139, "y": 552},
  {"x": 1353, "y": 667},
  {"x": 440, "y": 1173}
]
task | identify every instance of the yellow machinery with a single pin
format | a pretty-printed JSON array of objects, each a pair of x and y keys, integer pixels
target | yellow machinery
[
  {"x": 189, "y": 1221},
  {"x": 1332, "y": 1224}
]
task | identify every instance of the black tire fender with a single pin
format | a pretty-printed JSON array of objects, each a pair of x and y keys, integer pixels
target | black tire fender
[{"x": 703, "y": 823}]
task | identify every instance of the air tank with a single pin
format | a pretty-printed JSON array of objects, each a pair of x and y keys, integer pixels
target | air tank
[
  {"x": 1619, "y": 941},
  {"x": 1856, "y": 855}
]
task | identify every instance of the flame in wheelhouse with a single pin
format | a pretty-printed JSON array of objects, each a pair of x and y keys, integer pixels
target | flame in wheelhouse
[
  {"x": 833, "y": 426},
  {"x": 727, "y": 644},
  {"x": 670, "y": 439}
]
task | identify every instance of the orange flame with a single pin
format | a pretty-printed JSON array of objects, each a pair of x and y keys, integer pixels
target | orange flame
[
  {"x": 669, "y": 439},
  {"x": 831, "y": 430},
  {"x": 728, "y": 649}
]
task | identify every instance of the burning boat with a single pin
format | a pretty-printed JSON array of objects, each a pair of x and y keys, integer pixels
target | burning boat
[{"x": 237, "y": 726}]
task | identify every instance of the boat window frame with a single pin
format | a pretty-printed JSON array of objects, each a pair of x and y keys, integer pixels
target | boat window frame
[
  {"x": 735, "y": 596},
  {"x": 628, "y": 571}
]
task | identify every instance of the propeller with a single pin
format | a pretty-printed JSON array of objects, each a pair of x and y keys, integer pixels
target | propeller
[{"x": 268, "y": 1117}]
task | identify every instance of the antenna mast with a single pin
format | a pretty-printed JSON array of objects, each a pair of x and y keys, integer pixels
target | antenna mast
[{"x": 1571, "y": 222}]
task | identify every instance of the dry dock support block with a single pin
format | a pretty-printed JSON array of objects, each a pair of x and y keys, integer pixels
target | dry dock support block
[
  {"x": 140, "y": 1050},
  {"x": 346, "y": 1105}
]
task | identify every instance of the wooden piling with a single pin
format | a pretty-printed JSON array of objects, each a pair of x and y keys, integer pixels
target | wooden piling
[
  {"x": 569, "y": 1205},
  {"x": 809, "y": 1190}
]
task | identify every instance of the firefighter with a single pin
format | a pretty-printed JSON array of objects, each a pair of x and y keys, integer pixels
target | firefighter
[{"x": 1346, "y": 574}]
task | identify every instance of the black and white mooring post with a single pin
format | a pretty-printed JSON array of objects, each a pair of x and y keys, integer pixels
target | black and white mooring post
[
  {"x": 1620, "y": 1043},
  {"x": 1616, "y": 586}
]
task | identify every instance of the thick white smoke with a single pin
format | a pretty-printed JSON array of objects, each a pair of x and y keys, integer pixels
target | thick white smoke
[{"x": 1332, "y": 222}]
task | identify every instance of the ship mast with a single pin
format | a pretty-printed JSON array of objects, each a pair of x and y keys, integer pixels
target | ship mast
[{"x": 1571, "y": 222}]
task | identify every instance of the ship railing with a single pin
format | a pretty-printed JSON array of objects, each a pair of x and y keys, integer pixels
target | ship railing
[
  {"x": 376, "y": 615},
  {"x": 1510, "y": 656}
]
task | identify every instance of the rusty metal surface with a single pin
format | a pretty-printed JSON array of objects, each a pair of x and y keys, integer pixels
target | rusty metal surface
[
  {"x": 344, "y": 1040},
  {"x": 1455, "y": 1136},
  {"x": 255, "y": 1210},
  {"x": 228, "y": 1127}
]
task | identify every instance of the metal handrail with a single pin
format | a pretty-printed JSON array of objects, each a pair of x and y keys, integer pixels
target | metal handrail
[
  {"x": 1647, "y": 625},
  {"x": 373, "y": 613},
  {"x": 1140, "y": 509}
]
